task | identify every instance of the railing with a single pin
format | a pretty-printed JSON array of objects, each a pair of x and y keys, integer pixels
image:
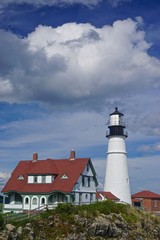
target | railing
[
  {"x": 125, "y": 133},
  {"x": 27, "y": 214},
  {"x": 11, "y": 206}
]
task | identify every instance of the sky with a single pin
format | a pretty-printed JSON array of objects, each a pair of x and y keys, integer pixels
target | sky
[{"x": 64, "y": 67}]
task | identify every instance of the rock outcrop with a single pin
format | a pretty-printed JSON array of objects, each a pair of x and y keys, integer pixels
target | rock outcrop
[{"x": 129, "y": 225}]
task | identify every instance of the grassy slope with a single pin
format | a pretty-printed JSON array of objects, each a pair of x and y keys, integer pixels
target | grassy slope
[{"x": 67, "y": 219}]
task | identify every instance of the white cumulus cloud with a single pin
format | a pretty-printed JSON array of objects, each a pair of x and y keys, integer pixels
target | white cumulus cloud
[
  {"x": 85, "y": 67},
  {"x": 77, "y": 62},
  {"x": 3, "y": 178}
]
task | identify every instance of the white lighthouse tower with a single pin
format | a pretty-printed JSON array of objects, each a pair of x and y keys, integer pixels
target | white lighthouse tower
[{"x": 116, "y": 178}]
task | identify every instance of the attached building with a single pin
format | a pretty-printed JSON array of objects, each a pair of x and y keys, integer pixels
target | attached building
[
  {"x": 147, "y": 200},
  {"x": 101, "y": 196},
  {"x": 35, "y": 183}
]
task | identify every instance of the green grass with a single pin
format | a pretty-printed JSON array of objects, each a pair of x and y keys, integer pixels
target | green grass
[
  {"x": 67, "y": 211},
  {"x": 60, "y": 222},
  {"x": 107, "y": 207},
  {"x": 53, "y": 224}
]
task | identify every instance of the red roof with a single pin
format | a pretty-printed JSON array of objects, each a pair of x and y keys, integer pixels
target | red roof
[
  {"x": 107, "y": 195},
  {"x": 146, "y": 194},
  {"x": 72, "y": 168}
]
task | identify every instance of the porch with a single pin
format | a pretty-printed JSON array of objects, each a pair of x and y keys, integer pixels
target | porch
[{"x": 19, "y": 203}]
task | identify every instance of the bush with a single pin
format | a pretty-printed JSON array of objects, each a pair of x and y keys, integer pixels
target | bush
[
  {"x": 67, "y": 208},
  {"x": 1, "y": 221},
  {"x": 107, "y": 207},
  {"x": 1, "y": 207}
]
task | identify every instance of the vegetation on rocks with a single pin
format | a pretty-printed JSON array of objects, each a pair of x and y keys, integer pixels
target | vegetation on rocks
[{"x": 98, "y": 221}]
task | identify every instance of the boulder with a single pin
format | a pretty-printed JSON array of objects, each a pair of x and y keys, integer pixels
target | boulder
[{"x": 10, "y": 227}]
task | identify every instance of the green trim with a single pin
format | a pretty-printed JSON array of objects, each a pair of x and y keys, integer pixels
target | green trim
[
  {"x": 94, "y": 172},
  {"x": 38, "y": 193}
]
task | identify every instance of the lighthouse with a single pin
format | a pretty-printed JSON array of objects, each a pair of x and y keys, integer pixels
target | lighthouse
[{"x": 116, "y": 178}]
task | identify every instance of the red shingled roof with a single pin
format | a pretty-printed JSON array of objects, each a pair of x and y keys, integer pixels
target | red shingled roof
[
  {"x": 107, "y": 195},
  {"x": 72, "y": 168},
  {"x": 146, "y": 194}
]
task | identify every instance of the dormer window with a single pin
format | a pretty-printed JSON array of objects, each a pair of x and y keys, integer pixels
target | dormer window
[
  {"x": 35, "y": 179},
  {"x": 64, "y": 176},
  {"x": 40, "y": 179},
  {"x": 43, "y": 179},
  {"x": 20, "y": 177}
]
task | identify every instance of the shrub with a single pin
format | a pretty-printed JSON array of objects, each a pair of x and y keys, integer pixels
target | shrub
[
  {"x": 1, "y": 207},
  {"x": 1, "y": 221},
  {"x": 67, "y": 208}
]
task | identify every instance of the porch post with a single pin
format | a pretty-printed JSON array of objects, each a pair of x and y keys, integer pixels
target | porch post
[
  {"x": 4, "y": 198},
  {"x": 22, "y": 202}
]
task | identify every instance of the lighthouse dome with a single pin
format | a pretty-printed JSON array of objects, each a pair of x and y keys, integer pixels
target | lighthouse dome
[
  {"x": 116, "y": 118},
  {"x": 116, "y": 112}
]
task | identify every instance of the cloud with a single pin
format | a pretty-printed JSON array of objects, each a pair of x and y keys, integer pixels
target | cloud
[
  {"x": 77, "y": 67},
  {"x": 34, "y": 132},
  {"x": 150, "y": 148},
  {"x": 77, "y": 63},
  {"x": 51, "y": 2},
  {"x": 3, "y": 177},
  {"x": 144, "y": 173},
  {"x": 115, "y": 3},
  {"x": 89, "y": 3}
]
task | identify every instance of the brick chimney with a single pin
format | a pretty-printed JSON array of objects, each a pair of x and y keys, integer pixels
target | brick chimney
[
  {"x": 35, "y": 157},
  {"x": 72, "y": 155}
]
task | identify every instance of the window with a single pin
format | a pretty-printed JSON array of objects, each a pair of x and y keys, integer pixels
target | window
[
  {"x": 64, "y": 176},
  {"x": 34, "y": 201},
  {"x": 86, "y": 196},
  {"x": 91, "y": 197},
  {"x": 83, "y": 181},
  {"x": 43, "y": 200},
  {"x": 87, "y": 167},
  {"x": 88, "y": 181},
  {"x": 137, "y": 204},
  {"x": 26, "y": 200},
  {"x": 155, "y": 203},
  {"x": 35, "y": 179},
  {"x": 18, "y": 198},
  {"x": 20, "y": 177},
  {"x": 43, "y": 179}
]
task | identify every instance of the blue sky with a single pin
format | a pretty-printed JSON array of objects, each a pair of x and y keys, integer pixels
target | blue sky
[{"x": 64, "y": 66}]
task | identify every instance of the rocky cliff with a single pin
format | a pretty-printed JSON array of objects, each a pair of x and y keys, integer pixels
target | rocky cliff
[{"x": 98, "y": 221}]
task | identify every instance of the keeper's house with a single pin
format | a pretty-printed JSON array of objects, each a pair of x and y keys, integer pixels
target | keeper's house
[{"x": 36, "y": 183}]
